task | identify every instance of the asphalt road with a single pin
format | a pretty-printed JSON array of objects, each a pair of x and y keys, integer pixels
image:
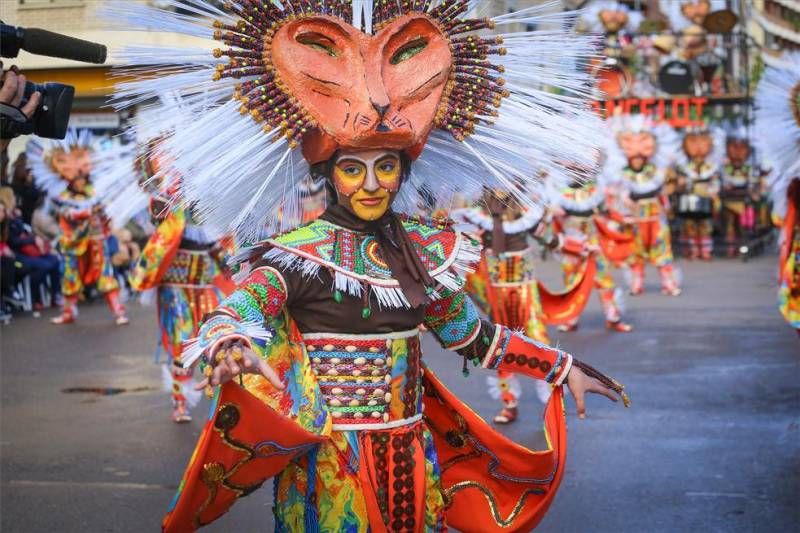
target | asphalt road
[{"x": 711, "y": 443}]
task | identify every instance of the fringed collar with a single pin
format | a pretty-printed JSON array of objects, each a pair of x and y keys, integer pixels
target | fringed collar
[
  {"x": 354, "y": 258},
  {"x": 581, "y": 200},
  {"x": 480, "y": 218},
  {"x": 644, "y": 182}
]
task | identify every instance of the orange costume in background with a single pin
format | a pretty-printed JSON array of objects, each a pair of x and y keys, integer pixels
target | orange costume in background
[
  {"x": 505, "y": 286},
  {"x": 62, "y": 169},
  {"x": 582, "y": 227},
  {"x": 641, "y": 179}
]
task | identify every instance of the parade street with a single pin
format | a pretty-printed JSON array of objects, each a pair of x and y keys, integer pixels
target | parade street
[{"x": 711, "y": 442}]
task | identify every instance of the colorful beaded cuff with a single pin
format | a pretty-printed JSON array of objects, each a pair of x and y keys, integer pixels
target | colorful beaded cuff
[{"x": 220, "y": 328}]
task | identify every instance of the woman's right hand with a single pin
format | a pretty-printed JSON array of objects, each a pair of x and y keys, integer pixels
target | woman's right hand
[{"x": 233, "y": 358}]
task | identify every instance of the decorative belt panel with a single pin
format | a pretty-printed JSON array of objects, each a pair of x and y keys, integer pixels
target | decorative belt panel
[
  {"x": 511, "y": 268},
  {"x": 190, "y": 267},
  {"x": 368, "y": 381}
]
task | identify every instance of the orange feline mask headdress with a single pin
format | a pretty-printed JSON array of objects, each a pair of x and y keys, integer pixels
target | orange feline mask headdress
[{"x": 419, "y": 76}]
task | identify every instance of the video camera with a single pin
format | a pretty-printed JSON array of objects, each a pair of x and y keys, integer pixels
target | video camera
[{"x": 51, "y": 118}]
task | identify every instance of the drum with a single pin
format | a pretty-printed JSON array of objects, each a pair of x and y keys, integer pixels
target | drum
[
  {"x": 694, "y": 206},
  {"x": 613, "y": 81},
  {"x": 676, "y": 77}
]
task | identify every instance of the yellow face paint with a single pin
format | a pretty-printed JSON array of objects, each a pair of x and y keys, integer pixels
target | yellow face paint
[{"x": 366, "y": 181}]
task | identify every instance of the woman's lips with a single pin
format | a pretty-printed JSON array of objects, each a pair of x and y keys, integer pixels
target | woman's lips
[{"x": 371, "y": 202}]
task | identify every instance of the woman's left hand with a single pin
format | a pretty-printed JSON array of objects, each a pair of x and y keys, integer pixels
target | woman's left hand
[{"x": 579, "y": 384}]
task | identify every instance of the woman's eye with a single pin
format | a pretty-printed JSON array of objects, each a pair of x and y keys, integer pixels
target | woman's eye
[
  {"x": 387, "y": 167},
  {"x": 408, "y": 50},
  {"x": 318, "y": 42},
  {"x": 352, "y": 171}
]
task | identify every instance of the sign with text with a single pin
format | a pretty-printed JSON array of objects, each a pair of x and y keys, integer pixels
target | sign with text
[{"x": 677, "y": 112}]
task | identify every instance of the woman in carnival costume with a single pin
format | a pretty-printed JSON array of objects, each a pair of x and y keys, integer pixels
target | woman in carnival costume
[
  {"x": 62, "y": 169},
  {"x": 778, "y": 110},
  {"x": 505, "y": 287},
  {"x": 583, "y": 220},
  {"x": 637, "y": 165},
  {"x": 324, "y": 328}
]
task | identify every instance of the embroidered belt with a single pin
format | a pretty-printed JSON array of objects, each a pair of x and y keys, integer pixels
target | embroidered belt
[
  {"x": 368, "y": 381},
  {"x": 511, "y": 268},
  {"x": 191, "y": 268}
]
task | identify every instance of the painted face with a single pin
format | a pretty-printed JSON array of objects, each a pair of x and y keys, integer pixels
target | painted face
[
  {"x": 738, "y": 151},
  {"x": 696, "y": 11},
  {"x": 367, "y": 181},
  {"x": 71, "y": 165},
  {"x": 613, "y": 21},
  {"x": 697, "y": 146},
  {"x": 638, "y": 147},
  {"x": 380, "y": 91}
]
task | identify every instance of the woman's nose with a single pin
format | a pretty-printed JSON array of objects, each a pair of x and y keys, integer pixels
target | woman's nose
[{"x": 371, "y": 182}]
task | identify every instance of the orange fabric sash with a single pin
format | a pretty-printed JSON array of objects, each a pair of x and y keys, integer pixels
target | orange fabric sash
[
  {"x": 563, "y": 307},
  {"x": 617, "y": 245},
  {"x": 491, "y": 483},
  {"x": 159, "y": 251}
]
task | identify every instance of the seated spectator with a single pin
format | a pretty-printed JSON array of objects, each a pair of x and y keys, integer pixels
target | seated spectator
[
  {"x": 11, "y": 270},
  {"x": 35, "y": 255},
  {"x": 28, "y": 196}
]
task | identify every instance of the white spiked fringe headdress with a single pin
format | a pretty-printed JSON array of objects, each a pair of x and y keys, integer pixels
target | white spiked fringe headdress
[
  {"x": 591, "y": 16},
  {"x": 668, "y": 144},
  {"x": 40, "y": 151},
  {"x": 239, "y": 171},
  {"x": 677, "y": 20},
  {"x": 778, "y": 123}
]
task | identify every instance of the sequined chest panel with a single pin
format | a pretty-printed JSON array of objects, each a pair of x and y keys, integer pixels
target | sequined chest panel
[
  {"x": 368, "y": 381},
  {"x": 511, "y": 268},
  {"x": 192, "y": 269}
]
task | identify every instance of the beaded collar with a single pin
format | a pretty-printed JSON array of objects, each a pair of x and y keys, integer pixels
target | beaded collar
[{"x": 355, "y": 262}]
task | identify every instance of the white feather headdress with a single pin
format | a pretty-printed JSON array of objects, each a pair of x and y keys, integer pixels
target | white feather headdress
[
  {"x": 678, "y": 22},
  {"x": 243, "y": 176},
  {"x": 39, "y": 152},
  {"x": 778, "y": 125},
  {"x": 591, "y": 15},
  {"x": 668, "y": 144}
]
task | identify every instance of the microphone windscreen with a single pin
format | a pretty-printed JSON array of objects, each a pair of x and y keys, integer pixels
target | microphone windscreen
[{"x": 47, "y": 43}]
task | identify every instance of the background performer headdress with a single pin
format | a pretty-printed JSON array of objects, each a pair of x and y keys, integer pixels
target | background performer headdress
[{"x": 778, "y": 121}]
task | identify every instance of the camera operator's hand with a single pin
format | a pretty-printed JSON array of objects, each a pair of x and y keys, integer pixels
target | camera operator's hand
[
  {"x": 13, "y": 88},
  {"x": 11, "y": 92}
]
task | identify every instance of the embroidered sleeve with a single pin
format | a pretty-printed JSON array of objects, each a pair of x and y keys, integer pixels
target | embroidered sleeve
[
  {"x": 244, "y": 315},
  {"x": 455, "y": 322}
]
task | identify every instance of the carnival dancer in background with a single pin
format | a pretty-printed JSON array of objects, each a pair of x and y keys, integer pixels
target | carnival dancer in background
[
  {"x": 637, "y": 165},
  {"x": 505, "y": 284},
  {"x": 778, "y": 120},
  {"x": 62, "y": 169},
  {"x": 698, "y": 188},
  {"x": 583, "y": 221},
  {"x": 326, "y": 315},
  {"x": 184, "y": 263},
  {"x": 740, "y": 190},
  {"x": 618, "y": 24}
]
